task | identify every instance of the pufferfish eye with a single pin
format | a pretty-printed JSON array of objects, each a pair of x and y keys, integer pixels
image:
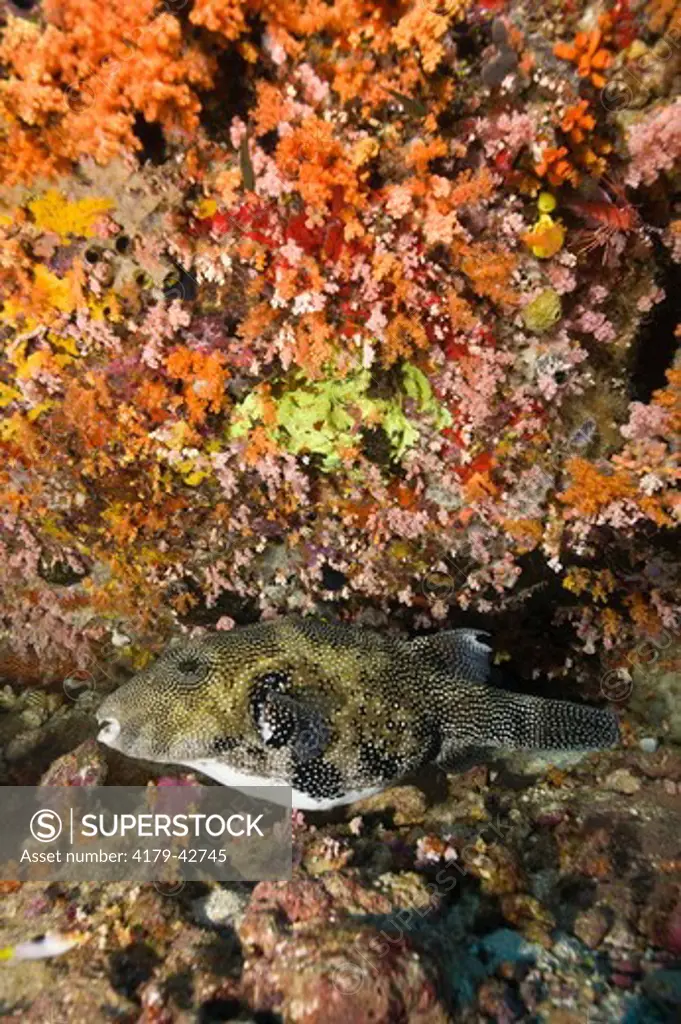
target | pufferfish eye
[
  {"x": 189, "y": 665},
  {"x": 191, "y": 670}
]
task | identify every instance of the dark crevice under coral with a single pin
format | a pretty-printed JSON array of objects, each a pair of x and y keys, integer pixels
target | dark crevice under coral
[
  {"x": 656, "y": 342},
  {"x": 179, "y": 284},
  {"x": 244, "y": 610},
  {"x": 150, "y": 134},
  {"x": 231, "y": 95}
]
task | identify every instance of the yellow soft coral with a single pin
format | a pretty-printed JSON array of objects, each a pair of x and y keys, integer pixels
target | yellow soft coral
[
  {"x": 53, "y": 212},
  {"x": 597, "y": 582},
  {"x": 44, "y": 298}
]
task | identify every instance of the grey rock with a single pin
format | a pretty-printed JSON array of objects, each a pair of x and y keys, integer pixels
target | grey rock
[
  {"x": 532, "y": 763},
  {"x": 622, "y": 781},
  {"x": 222, "y": 907},
  {"x": 656, "y": 693}
]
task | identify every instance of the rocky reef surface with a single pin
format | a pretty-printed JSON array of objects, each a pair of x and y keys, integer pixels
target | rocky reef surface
[{"x": 519, "y": 891}]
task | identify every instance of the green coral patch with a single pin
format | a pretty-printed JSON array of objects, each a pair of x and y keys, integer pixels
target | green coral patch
[{"x": 323, "y": 417}]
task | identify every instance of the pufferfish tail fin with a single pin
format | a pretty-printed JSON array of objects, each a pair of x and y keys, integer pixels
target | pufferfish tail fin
[
  {"x": 462, "y": 653},
  {"x": 540, "y": 723},
  {"x": 502, "y": 720}
]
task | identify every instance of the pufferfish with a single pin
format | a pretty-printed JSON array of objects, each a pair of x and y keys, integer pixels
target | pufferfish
[{"x": 336, "y": 712}]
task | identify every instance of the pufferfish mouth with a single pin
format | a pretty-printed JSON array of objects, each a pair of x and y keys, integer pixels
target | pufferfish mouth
[
  {"x": 109, "y": 730},
  {"x": 131, "y": 741}
]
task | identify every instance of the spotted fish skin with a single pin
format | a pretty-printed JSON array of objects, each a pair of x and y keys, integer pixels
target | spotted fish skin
[{"x": 334, "y": 711}]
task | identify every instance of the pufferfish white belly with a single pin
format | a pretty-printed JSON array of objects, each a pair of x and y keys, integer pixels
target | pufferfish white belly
[{"x": 301, "y": 801}]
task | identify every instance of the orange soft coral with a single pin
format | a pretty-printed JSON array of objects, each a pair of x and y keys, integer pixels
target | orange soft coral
[
  {"x": 591, "y": 490},
  {"x": 75, "y": 88},
  {"x": 588, "y": 53},
  {"x": 204, "y": 377},
  {"x": 404, "y": 336},
  {"x": 272, "y": 107},
  {"x": 313, "y": 344},
  {"x": 663, "y": 15},
  {"x": 89, "y": 410},
  {"x": 285, "y": 19},
  {"x": 227, "y": 17},
  {"x": 576, "y": 122},
  {"x": 422, "y": 151},
  {"x": 313, "y": 157},
  {"x": 556, "y": 167},
  {"x": 489, "y": 270},
  {"x": 424, "y": 25}
]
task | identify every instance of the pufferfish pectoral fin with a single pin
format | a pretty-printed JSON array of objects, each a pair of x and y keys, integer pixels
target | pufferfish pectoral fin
[
  {"x": 284, "y": 720},
  {"x": 460, "y": 652}
]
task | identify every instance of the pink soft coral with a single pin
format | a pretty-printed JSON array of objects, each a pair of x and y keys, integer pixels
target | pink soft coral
[{"x": 655, "y": 145}]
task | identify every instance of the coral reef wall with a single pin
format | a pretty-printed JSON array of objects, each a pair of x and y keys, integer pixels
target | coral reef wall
[{"x": 362, "y": 308}]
